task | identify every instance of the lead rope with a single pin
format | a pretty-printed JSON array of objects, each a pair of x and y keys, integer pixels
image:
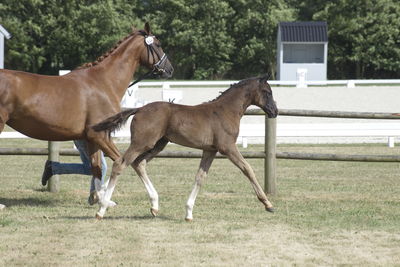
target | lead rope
[{"x": 140, "y": 78}]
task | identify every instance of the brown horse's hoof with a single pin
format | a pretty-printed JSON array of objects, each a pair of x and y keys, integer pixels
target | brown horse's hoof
[
  {"x": 271, "y": 209},
  {"x": 154, "y": 212},
  {"x": 188, "y": 220},
  {"x": 99, "y": 217}
]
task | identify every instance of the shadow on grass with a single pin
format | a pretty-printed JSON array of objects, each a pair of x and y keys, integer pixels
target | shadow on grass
[
  {"x": 114, "y": 218},
  {"x": 33, "y": 202}
]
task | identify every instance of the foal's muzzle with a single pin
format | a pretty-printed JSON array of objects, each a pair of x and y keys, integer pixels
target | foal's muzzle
[{"x": 271, "y": 110}]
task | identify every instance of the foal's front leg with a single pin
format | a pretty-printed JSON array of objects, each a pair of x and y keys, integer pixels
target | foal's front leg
[
  {"x": 117, "y": 168},
  {"x": 234, "y": 155},
  {"x": 206, "y": 160}
]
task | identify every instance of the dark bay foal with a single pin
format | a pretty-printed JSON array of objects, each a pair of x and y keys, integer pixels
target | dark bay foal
[{"x": 212, "y": 127}]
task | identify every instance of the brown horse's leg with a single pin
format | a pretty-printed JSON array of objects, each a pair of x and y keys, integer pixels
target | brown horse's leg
[
  {"x": 206, "y": 160},
  {"x": 139, "y": 165},
  {"x": 234, "y": 155},
  {"x": 94, "y": 153},
  {"x": 104, "y": 142},
  {"x": 3, "y": 120},
  {"x": 96, "y": 164}
]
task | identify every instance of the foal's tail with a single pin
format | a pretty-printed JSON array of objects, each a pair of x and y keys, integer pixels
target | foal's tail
[{"x": 115, "y": 122}]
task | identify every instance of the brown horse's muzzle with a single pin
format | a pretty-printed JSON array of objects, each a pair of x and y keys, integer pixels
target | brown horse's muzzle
[{"x": 163, "y": 67}]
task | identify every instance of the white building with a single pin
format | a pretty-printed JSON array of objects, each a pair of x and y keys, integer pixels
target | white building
[
  {"x": 302, "y": 51},
  {"x": 3, "y": 34}
]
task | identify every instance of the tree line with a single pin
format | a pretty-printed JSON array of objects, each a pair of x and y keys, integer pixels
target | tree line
[{"x": 208, "y": 39}]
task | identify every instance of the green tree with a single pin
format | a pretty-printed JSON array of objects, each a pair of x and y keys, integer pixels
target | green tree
[
  {"x": 253, "y": 27},
  {"x": 195, "y": 33},
  {"x": 364, "y": 38},
  {"x": 53, "y": 34}
]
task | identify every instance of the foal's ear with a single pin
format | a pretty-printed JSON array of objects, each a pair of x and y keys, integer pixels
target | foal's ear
[
  {"x": 264, "y": 78},
  {"x": 147, "y": 28}
]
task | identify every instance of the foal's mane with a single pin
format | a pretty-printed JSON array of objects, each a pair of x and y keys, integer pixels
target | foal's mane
[
  {"x": 109, "y": 52},
  {"x": 232, "y": 87}
]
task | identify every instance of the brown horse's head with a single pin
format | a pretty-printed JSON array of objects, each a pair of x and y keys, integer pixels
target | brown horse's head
[
  {"x": 264, "y": 99},
  {"x": 153, "y": 56}
]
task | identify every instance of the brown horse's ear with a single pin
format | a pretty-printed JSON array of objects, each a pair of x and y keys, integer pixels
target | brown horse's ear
[
  {"x": 134, "y": 29},
  {"x": 147, "y": 28}
]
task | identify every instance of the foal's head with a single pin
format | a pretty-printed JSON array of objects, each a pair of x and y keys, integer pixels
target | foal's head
[
  {"x": 153, "y": 56},
  {"x": 263, "y": 97}
]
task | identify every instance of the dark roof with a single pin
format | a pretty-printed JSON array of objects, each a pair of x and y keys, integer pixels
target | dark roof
[{"x": 312, "y": 31}]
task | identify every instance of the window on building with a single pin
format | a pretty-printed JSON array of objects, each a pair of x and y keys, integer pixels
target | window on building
[{"x": 303, "y": 53}]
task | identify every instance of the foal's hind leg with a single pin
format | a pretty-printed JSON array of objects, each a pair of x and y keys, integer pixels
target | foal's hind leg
[
  {"x": 234, "y": 155},
  {"x": 140, "y": 167},
  {"x": 206, "y": 160}
]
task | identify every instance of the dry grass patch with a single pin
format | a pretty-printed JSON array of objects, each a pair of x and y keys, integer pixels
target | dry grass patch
[{"x": 327, "y": 213}]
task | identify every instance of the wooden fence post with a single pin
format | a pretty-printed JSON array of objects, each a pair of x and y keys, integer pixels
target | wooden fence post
[
  {"x": 53, "y": 184},
  {"x": 270, "y": 156}
]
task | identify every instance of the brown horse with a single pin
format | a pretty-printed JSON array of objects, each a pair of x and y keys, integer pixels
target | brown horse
[
  {"x": 212, "y": 127},
  {"x": 60, "y": 108}
]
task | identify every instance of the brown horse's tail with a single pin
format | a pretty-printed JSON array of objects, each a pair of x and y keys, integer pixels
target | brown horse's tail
[{"x": 115, "y": 122}]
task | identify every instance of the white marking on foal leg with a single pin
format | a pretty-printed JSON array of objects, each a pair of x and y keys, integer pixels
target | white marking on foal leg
[
  {"x": 206, "y": 160},
  {"x": 191, "y": 201},
  {"x": 153, "y": 195}
]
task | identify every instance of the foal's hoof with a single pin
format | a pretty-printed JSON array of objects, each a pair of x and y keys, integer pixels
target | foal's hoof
[
  {"x": 271, "y": 209},
  {"x": 98, "y": 216},
  {"x": 188, "y": 220},
  {"x": 154, "y": 212},
  {"x": 2, "y": 206},
  {"x": 111, "y": 204}
]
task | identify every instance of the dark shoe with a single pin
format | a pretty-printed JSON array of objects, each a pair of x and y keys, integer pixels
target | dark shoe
[
  {"x": 47, "y": 172},
  {"x": 93, "y": 198}
]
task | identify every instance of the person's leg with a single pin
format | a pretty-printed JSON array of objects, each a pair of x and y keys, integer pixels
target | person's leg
[
  {"x": 81, "y": 145},
  {"x": 53, "y": 167}
]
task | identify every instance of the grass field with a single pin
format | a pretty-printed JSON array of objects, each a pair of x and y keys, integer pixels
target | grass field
[{"x": 327, "y": 213}]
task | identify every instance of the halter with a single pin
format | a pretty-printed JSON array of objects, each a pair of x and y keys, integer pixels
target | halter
[{"x": 157, "y": 67}]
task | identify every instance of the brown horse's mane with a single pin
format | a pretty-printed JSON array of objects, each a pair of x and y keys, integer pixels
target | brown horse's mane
[{"x": 109, "y": 52}]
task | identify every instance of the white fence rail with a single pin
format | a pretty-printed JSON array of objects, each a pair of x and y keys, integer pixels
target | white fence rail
[
  {"x": 389, "y": 131},
  {"x": 283, "y": 130},
  {"x": 348, "y": 83}
]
